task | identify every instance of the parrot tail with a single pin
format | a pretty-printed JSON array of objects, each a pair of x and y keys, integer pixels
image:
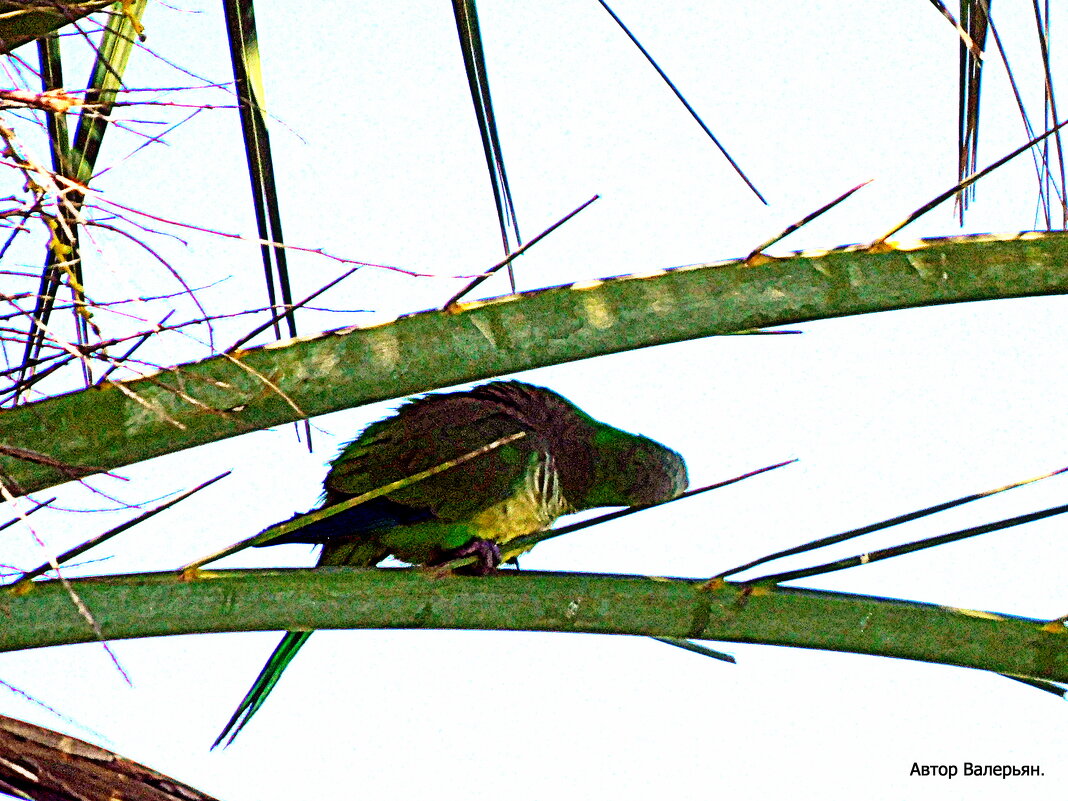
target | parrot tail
[{"x": 263, "y": 685}]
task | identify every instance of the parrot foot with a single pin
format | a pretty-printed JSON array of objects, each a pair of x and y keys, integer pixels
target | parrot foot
[{"x": 486, "y": 553}]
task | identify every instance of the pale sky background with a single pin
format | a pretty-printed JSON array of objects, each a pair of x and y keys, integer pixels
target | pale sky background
[{"x": 379, "y": 159}]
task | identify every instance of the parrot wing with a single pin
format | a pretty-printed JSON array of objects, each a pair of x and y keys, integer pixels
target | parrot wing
[{"x": 427, "y": 433}]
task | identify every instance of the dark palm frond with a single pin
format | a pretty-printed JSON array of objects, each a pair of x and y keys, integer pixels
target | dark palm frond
[
  {"x": 910, "y": 547},
  {"x": 1042, "y": 169},
  {"x": 974, "y": 22},
  {"x": 251, "y": 99},
  {"x": 969, "y": 181},
  {"x": 141, "y": 340},
  {"x": 1050, "y": 104},
  {"x": 897, "y": 520},
  {"x": 75, "y": 162},
  {"x": 1039, "y": 684},
  {"x": 758, "y": 252},
  {"x": 44, "y": 765},
  {"x": 51, "y": 69},
  {"x": 507, "y": 260},
  {"x": 39, "y": 505},
  {"x": 52, "y": 78},
  {"x": 113, "y": 54},
  {"x": 289, "y": 308},
  {"x": 684, "y": 101},
  {"x": 23, "y": 22},
  {"x": 248, "y": 83},
  {"x": 696, "y": 648},
  {"x": 965, "y": 37},
  {"x": 78, "y": 550},
  {"x": 478, "y": 80}
]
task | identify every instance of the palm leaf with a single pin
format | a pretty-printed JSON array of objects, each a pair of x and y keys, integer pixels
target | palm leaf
[
  {"x": 975, "y": 22},
  {"x": 45, "y": 765},
  {"x": 686, "y": 104},
  {"x": 23, "y": 22},
  {"x": 76, "y": 162},
  {"x": 478, "y": 80},
  {"x": 677, "y": 608},
  {"x": 119, "y": 424},
  {"x": 248, "y": 83}
]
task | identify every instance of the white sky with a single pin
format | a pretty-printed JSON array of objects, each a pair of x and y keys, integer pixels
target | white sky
[{"x": 379, "y": 159}]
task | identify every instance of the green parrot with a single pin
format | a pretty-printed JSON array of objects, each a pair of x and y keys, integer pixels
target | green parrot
[{"x": 563, "y": 461}]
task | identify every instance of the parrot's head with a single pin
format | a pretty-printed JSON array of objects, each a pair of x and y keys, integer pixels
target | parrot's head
[
  {"x": 632, "y": 470},
  {"x": 598, "y": 465},
  {"x": 654, "y": 474}
]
